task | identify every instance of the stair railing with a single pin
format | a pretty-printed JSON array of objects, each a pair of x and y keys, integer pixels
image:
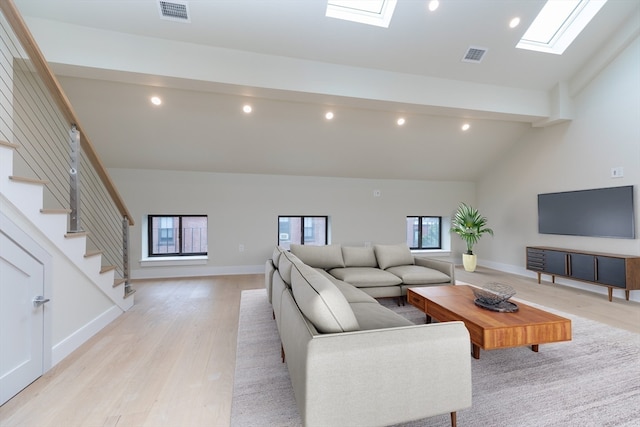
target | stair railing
[{"x": 38, "y": 117}]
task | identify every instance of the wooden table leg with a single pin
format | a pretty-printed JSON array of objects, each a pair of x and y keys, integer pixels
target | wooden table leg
[
  {"x": 428, "y": 319},
  {"x": 454, "y": 420},
  {"x": 610, "y": 294},
  {"x": 534, "y": 347},
  {"x": 475, "y": 350}
]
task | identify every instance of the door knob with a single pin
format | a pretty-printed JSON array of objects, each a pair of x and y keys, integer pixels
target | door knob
[{"x": 39, "y": 300}]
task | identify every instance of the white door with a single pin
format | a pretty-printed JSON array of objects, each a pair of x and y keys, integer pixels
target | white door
[{"x": 21, "y": 322}]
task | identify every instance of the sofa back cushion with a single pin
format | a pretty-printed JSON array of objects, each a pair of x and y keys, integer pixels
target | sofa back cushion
[
  {"x": 285, "y": 262},
  {"x": 355, "y": 256},
  {"x": 321, "y": 301},
  {"x": 275, "y": 256},
  {"x": 325, "y": 257},
  {"x": 393, "y": 255}
]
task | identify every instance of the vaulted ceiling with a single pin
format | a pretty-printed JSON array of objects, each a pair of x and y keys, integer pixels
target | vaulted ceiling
[{"x": 293, "y": 64}]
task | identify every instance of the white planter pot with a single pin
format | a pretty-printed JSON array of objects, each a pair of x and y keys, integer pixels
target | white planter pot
[{"x": 469, "y": 262}]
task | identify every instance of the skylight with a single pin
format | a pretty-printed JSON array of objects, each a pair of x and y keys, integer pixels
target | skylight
[
  {"x": 371, "y": 12},
  {"x": 558, "y": 24}
]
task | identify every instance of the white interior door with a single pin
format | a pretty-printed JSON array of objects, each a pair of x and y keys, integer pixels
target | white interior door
[{"x": 21, "y": 322}]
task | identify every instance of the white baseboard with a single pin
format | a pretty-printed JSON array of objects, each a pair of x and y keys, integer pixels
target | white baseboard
[
  {"x": 82, "y": 335},
  {"x": 194, "y": 271}
]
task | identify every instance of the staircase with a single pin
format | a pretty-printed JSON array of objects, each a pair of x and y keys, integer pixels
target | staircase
[{"x": 26, "y": 194}]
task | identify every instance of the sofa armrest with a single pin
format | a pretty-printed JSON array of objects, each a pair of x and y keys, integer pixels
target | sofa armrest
[
  {"x": 387, "y": 376},
  {"x": 446, "y": 267}
]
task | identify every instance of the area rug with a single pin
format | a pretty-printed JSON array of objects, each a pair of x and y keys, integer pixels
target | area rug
[{"x": 593, "y": 380}]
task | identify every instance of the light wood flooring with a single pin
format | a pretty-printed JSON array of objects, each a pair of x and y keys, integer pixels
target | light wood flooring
[{"x": 169, "y": 361}]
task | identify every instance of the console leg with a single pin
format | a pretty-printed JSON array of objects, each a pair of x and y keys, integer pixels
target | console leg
[
  {"x": 610, "y": 294},
  {"x": 454, "y": 420},
  {"x": 626, "y": 294},
  {"x": 282, "y": 352},
  {"x": 534, "y": 347}
]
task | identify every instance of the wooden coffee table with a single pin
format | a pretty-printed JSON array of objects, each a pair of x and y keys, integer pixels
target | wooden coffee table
[{"x": 488, "y": 329}]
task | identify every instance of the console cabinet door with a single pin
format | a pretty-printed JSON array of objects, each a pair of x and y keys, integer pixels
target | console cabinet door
[
  {"x": 582, "y": 267},
  {"x": 555, "y": 262},
  {"x": 611, "y": 271}
]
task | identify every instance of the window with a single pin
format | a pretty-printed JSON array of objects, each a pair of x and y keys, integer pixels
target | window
[
  {"x": 424, "y": 232},
  {"x": 558, "y": 24},
  {"x": 177, "y": 235},
  {"x": 302, "y": 230}
]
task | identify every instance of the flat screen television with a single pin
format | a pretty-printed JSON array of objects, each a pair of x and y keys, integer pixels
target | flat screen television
[{"x": 601, "y": 212}]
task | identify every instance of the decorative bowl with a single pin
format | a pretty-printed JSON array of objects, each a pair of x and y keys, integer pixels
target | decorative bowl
[{"x": 494, "y": 293}]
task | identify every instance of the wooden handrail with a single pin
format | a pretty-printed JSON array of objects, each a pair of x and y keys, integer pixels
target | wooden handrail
[{"x": 41, "y": 66}]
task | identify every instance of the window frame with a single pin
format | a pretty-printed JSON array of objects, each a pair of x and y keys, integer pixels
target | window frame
[
  {"x": 178, "y": 239},
  {"x": 303, "y": 229},
  {"x": 420, "y": 225}
]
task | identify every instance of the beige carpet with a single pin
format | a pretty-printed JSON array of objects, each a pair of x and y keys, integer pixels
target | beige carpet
[{"x": 593, "y": 380}]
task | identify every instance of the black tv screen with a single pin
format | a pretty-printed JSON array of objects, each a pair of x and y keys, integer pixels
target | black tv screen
[{"x": 601, "y": 212}]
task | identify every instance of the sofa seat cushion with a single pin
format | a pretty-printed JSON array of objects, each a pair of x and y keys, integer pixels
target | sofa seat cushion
[
  {"x": 418, "y": 275},
  {"x": 350, "y": 292},
  {"x": 363, "y": 277},
  {"x": 327, "y": 256},
  {"x": 374, "y": 316},
  {"x": 320, "y": 301},
  {"x": 393, "y": 255}
]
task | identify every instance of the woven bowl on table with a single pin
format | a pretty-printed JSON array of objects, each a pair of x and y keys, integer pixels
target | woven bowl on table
[{"x": 494, "y": 293}]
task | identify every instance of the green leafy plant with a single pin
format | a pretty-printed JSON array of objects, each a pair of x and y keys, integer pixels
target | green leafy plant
[{"x": 469, "y": 225}]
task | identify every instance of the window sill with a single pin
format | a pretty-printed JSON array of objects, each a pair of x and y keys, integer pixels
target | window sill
[
  {"x": 438, "y": 252},
  {"x": 173, "y": 261}
]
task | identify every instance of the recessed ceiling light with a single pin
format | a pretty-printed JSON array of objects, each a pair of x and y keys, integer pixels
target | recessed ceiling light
[
  {"x": 247, "y": 109},
  {"x": 329, "y": 115},
  {"x": 433, "y": 5},
  {"x": 155, "y": 100},
  {"x": 514, "y": 22},
  {"x": 466, "y": 126},
  {"x": 401, "y": 121}
]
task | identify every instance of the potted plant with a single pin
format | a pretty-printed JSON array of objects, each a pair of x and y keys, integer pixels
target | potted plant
[{"x": 470, "y": 226}]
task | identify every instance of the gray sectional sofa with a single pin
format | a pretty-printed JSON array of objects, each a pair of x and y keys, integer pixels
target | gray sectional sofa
[
  {"x": 353, "y": 361},
  {"x": 381, "y": 270}
]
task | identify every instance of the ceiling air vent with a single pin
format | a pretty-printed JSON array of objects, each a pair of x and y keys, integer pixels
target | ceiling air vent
[
  {"x": 174, "y": 10},
  {"x": 474, "y": 54}
]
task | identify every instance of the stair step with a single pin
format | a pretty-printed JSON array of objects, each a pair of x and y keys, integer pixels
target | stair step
[
  {"x": 28, "y": 180},
  {"x": 78, "y": 234},
  {"x": 93, "y": 253},
  {"x": 55, "y": 211},
  {"x": 107, "y": 268},
  {"x": 118, "y": 282},
  {"x": 9, "y": 144},
  {"x": 129, "y": 293}
]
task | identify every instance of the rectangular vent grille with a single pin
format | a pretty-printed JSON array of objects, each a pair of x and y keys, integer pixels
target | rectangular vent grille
[
  {"x": 174, "y": 10},
  {"x": 474, "y": 54}
]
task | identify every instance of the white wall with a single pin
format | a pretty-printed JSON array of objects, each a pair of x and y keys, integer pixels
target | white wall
[
  {"x": 244, "y": 209},
  {"x": 571, "y": 156}
]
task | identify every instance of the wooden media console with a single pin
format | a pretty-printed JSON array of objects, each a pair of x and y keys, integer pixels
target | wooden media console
[{"x": 610, "y": 270}]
